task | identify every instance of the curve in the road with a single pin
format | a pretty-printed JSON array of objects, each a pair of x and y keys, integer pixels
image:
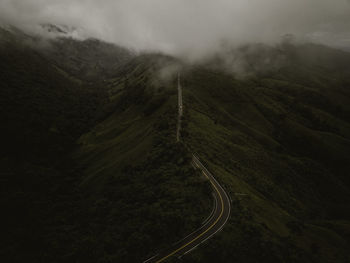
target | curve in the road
[{"x": 213, "y": 225}]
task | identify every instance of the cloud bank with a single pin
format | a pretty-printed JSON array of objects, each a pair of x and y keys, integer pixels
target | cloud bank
[{"x": 189, "y": 27}]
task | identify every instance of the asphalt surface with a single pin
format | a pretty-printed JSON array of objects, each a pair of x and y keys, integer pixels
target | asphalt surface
[
  {"x": 216, "y": 220},
  {"x": 180, "y": 109}
]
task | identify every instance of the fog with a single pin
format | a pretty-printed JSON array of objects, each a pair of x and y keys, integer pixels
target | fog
[{"x": 188, "y": 27}]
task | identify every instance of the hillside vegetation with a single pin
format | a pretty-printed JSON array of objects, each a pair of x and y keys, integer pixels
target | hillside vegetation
[
  {"x": 281, "y": 138},
  {"x": 91, "y": 171}
]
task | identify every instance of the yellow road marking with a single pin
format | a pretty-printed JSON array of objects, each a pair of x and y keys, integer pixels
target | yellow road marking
[{"x": 222, "y": 211}]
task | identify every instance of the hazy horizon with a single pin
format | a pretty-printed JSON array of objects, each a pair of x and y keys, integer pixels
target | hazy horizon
[{"x": 190, "y": 28}]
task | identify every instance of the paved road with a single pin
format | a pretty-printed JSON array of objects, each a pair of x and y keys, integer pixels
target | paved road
[
  {"x": 212, "y": 225},
  {"x": 180, "y": 108}
]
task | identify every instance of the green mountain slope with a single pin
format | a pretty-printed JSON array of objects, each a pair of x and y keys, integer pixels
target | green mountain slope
[
  {"x": 136, "y": 173},
  {"x": 43, "y": 113},
  {"x": 282, "y": 139},
  {"x": 90, "y": 59},
  {"x": 91, "y": 171}
]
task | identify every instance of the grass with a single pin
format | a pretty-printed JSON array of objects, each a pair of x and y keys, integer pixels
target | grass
[
  {"x": 92, "y": 172},
  {"x": 132, "y": 160},
  {"x": 283, "y": 140},
  {"x": 90, "y": 167}
]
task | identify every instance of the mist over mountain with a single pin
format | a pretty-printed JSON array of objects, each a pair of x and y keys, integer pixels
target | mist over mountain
[
  {"x": 136, "y": 131},
  {"x": 189, "y": 28}
]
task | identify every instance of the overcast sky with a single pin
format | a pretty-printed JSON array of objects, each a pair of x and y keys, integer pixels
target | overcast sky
[{"x": 189, "y": 26}]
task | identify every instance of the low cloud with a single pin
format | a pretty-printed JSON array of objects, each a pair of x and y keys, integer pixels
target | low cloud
[{"x": 191, "y": 28}]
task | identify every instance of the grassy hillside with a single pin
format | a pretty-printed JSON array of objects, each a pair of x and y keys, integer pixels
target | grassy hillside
[
  {"x": 136, "y": 173},
  {"x": 282, "y": 139},
  {"x": 43, "y": 113},
  {"x": 89, "y": 60},
  {"x": 91, "y": 172}
]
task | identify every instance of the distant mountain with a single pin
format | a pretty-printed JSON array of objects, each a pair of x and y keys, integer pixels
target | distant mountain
[
  {"x": 60, "y": 29},
  {"x": 90, "y": 59},
  {"x": 48, "y": 30}
]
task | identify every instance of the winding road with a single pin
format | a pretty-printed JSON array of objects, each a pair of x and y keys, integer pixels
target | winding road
[{"x": 216, "y": 220}]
